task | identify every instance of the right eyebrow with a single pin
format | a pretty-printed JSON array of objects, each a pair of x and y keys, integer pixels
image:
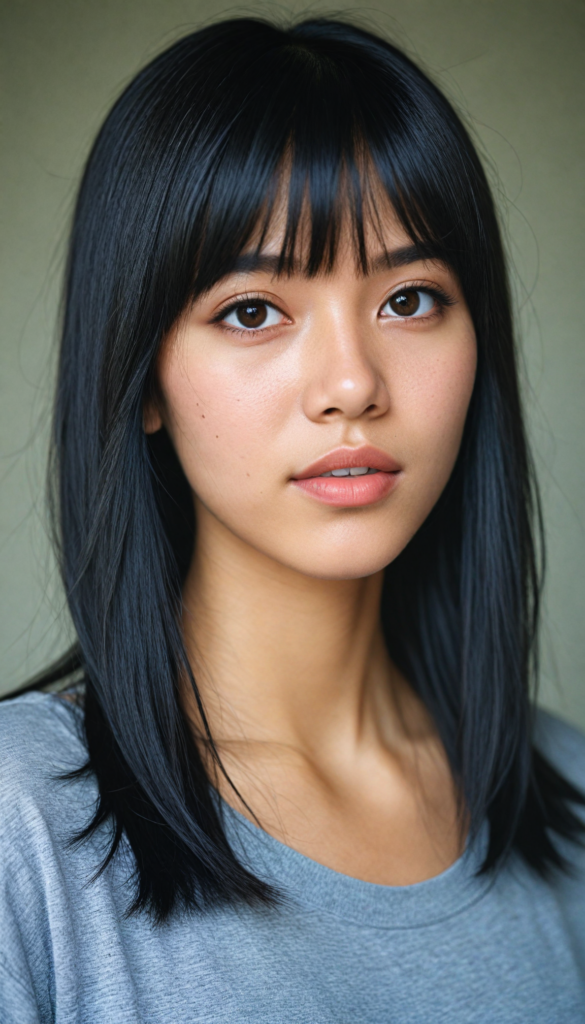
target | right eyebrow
[{"x": 254, "y": 263}]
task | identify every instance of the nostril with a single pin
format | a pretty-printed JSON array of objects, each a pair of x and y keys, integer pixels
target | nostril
[{"x": 326, "y": 412}]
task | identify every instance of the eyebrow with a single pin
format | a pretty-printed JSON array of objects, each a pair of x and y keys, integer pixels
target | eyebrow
[{"x": 253, "y": 262}]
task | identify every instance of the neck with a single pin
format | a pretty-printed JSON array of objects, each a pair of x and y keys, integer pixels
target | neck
[
  {"x": 320, "y": 739},
  {"x": 283, "y": 658}
]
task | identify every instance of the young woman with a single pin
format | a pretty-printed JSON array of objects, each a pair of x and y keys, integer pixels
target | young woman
[{"x": 293, "y": 771}]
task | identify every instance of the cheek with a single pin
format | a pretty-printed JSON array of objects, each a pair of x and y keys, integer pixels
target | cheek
[
  {"x": 237, "y": 422},
  {"x": 439, "y": 401},
  {"x": 434, "y": 402},
  {"x": 221, "y": 415}
]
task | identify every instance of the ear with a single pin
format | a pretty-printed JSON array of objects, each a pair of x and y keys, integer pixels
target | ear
[{"x": 151, "y": 417}]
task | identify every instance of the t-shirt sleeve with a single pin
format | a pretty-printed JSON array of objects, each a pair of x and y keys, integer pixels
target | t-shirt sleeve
[
  {"x": 18, "y": 1003},
  {"x": 564, "y": 747},
  {"x": 37, "y": 743}
]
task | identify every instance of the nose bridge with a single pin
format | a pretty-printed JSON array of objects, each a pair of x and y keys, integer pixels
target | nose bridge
[{"x": 345, "y": 379}]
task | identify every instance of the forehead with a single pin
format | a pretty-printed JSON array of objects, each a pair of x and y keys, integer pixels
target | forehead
[
  {"x": 295, "y": 227},
  {"x": 379, "y": 242}
]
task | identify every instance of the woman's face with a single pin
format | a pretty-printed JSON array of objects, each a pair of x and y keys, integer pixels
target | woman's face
[{"x": 269, "y": 382}]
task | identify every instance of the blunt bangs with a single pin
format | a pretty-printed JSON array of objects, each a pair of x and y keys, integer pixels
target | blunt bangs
[{"x": 331, "y": 125}]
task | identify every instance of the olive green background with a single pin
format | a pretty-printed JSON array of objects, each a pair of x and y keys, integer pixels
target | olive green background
[{"x": 514, "y": 68}]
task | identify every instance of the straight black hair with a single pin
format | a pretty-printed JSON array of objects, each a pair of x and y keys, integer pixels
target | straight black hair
[{"x": 182, "y": 179}]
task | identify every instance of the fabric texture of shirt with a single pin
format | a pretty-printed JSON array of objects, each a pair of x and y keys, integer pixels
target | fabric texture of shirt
[{"x": 456, "y": 949}]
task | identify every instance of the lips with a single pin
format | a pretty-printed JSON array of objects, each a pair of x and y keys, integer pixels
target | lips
[
  {"x": 350, "y": 491},
  {"x": 348, "y": 458}
]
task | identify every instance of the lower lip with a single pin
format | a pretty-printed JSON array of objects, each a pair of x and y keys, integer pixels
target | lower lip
[{"x": 349, "y": 491}]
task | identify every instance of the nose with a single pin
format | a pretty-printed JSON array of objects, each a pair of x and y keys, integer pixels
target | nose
[{"x": 344, "y": 380}]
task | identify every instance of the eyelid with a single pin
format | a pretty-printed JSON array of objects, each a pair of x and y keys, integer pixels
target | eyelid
[
  {"x": 240, "y": 300},
  {"x": 441, "y": 297}
]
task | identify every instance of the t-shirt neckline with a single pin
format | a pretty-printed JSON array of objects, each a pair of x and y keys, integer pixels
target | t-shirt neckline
[{"x": 317, "y": 887}]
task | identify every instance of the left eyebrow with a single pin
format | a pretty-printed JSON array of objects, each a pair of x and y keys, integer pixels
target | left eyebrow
[
  {"x": 402, "y": 257},
  {"x": 254, "y": 262}
]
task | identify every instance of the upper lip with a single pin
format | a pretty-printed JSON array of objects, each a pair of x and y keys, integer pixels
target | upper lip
[{"x": 346, "y": 458}]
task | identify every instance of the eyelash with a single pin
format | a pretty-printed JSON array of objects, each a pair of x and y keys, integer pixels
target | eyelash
[
  {"x": 249, "y": 332},
  {"x": 441, "y": 298}
]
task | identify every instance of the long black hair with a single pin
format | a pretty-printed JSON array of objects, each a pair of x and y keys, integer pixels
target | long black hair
[{"x": 182, "y": 178}]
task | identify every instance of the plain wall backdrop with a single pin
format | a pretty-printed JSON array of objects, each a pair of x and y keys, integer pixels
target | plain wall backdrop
[{"x": 513, "y": 68}]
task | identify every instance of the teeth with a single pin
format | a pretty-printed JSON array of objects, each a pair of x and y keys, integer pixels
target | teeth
[{"x": 354, "y": 471}]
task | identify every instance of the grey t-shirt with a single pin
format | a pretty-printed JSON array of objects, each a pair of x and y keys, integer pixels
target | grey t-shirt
[{"x": 457, "y": 949}]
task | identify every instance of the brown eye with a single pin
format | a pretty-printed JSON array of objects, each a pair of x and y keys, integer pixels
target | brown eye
[
  {"x": 405, "y": 303},
  {"x": 410, "y": 302},
  {"x": 252, "y": 314}
]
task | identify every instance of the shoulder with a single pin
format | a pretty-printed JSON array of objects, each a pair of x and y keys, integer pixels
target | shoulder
[
  {"x": 563, "y": 745},
  {"x": 41, "y": 739},
  {"x": 38, "y": 728}
]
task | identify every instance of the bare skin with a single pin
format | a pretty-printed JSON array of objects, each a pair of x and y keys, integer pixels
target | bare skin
[{"x": 320, "y": 734}]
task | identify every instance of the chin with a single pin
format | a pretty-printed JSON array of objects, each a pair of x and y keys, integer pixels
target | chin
[{"x": 343, "y": 565}]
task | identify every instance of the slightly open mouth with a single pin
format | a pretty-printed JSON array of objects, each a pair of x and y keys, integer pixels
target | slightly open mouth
[
  {"x": 353, "y": 471},
  {"x": 346, "y": 488}
]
